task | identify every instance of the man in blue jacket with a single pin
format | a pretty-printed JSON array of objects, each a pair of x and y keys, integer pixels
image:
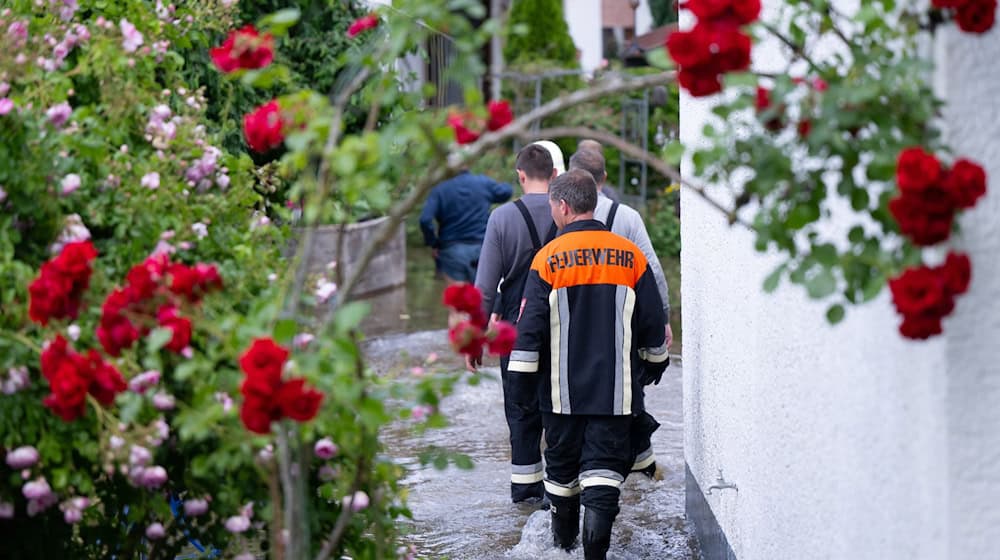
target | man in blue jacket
[
  {"x": 590, "y": 336},
  {"x": 460, "y": 206}
]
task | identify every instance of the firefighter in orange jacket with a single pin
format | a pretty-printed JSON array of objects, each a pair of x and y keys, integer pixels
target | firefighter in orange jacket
[{"x": 591, "y": 334}]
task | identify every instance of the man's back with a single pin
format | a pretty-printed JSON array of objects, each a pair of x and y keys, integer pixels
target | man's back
[
  {"x": 461, "y": 206},
  {"x": 628, "y": 224},
  {"x": 509, "y": 248},
  {"x": 593, "y": 309}
]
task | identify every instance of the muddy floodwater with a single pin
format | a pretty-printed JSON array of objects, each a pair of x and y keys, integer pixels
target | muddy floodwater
[{"x": 467, "y": 514}]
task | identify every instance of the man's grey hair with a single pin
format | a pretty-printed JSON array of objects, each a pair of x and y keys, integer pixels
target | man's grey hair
[
  {"x": 590, "y": 161},
  {"x": 577, "y": 188}
]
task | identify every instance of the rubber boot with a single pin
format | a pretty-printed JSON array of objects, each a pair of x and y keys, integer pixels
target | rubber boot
[
  {"x": 531, "y": 493},
  {"x": 565, "y": 523},
  {"x": 596, "y": 534}
]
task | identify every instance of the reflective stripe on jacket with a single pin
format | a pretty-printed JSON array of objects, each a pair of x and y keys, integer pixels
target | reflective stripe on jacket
[{"x": 592, "y": 315}]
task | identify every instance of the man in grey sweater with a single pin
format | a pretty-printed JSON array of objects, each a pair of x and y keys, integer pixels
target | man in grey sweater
[
  {"x": 514, "y": 233},
  {"x": 626, "y": 222}
]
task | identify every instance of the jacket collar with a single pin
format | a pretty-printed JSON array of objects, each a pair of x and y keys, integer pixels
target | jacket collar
[{"x": 584, "y": 225}]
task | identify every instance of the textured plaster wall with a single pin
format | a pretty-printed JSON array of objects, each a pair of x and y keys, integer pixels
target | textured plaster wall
[
  {"x": 836, "y": 436},
  {"x": 969, "y": 79}
]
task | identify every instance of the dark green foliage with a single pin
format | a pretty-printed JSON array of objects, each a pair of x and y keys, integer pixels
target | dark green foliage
[
  {"x": 310, "y": 51},
  {"x": 664, "y": 11},
  {"x": 547, "y": 34}
]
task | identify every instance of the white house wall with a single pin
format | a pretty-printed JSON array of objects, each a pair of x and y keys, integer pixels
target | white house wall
[
  {"x": 837, "y": 437},
  {"x": 584, "y": 20},
  {"x": 969, "y": 79}
]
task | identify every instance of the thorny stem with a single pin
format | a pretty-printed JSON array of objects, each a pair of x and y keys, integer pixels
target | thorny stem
[
  {"x": 346, "y": 512},
  {"x": 797, "y": 49},
  {"x": 288, "y": 487}
]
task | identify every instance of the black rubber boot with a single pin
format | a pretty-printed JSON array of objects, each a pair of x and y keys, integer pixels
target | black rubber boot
[
  {"x": 565, "y": 523},
  {"x": 596, "y": 534},
  {"x": 531, "y": 493}
]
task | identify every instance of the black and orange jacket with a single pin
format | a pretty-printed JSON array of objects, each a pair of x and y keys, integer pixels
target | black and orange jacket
[{"x": 591, "y": 316}]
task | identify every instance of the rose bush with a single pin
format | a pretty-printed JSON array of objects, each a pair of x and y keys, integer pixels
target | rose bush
[
  {"x": 850, "y": 137},
  {"x": 135, "y": 274}
]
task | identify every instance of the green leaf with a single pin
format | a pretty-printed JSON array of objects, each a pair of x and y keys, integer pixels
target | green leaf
[
  {"x": 674, "y": 152},
  {"x": 279, "y": 22},
  {"x": 825, "y": 254},
  {"x": 740, "y": 79},
  {"x": 284, "y": 330},
  {"x": 773, "y": 279},
  {"x": 158, "y": 339},
  {"x": 821, "y": 285},
  {"x": 349, "y": 316},
  {"x": 658, "y": 58},
  {"x": 801, "y": 215},
  {"x": 463, "y": 461},
  {"x": 185, "y": 370},
  {"x": 856, "y": 235},
  {"x": 835, "y": 314}
]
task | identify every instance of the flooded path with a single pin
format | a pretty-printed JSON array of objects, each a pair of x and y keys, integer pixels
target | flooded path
[{"x": 467, "y": 514}]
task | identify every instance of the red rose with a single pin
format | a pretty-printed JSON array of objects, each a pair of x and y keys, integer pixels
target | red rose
[
  {"x": 50, "y": 296},
  {"x": 106, "y": 382},
  {"x": 920, "y": 326},
  {"x": 116, "y": 333},
  {"x": 737, "y": 11},
  {"x": 463, "y": 297},
  {"x": 68, "y": 398},
  {"x": 700, "y": 81},
  {"x": 732, "y": 48},
  {"x": 141, "y": 281},
  {"x": 463, "y": 135},
  {"x": 263, "y": 363},
  {"x": 53, "y": 355},
  {"x": 208, "y": 277},
  {"x": 500, "y": 115},
  {"x": 74, "y": 261},
  {"x": 263, "y": 127},
  {"x": 965, "y": 182},
  {"x": 168, "y": 317},
  {"x": 362, "y": 24},
  {"x": 763, "y": 103},
  {"x": 922, "y": 226},
  {"x": 920, "y": 290},
  {"x": 257, "y": 414},
  {"x": 916, "y": 170},
  {"x": 467, "y": 338},
  {"x": 692, "y": 47},
  {"x": 244, "y": 48},
  {"x": 68, "y": 383},
  {"x": 502, "y": 341},
  {"x": 298, "y": 402},
  {"x": 976, "y": 16},
  {"x": 58, "y": 290},
  {"x": 183, "y": 280},
  {"x": 804, "y": 128},
  {"x": 956, "y": 273}
]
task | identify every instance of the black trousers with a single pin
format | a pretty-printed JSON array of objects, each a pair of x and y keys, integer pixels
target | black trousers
[
  {"x": 587, "y": 459},
  {"x": 525, "y": 424}
]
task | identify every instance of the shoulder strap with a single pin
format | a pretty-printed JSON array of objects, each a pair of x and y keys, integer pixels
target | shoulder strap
[
  {"x": 536, "y": 243},
  {"x": 553, "y": 230},
  {"x": 611, "y": 215}
]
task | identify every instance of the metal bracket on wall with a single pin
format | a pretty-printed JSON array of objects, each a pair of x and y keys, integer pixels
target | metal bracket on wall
[{"x": 721, "y": 484}]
